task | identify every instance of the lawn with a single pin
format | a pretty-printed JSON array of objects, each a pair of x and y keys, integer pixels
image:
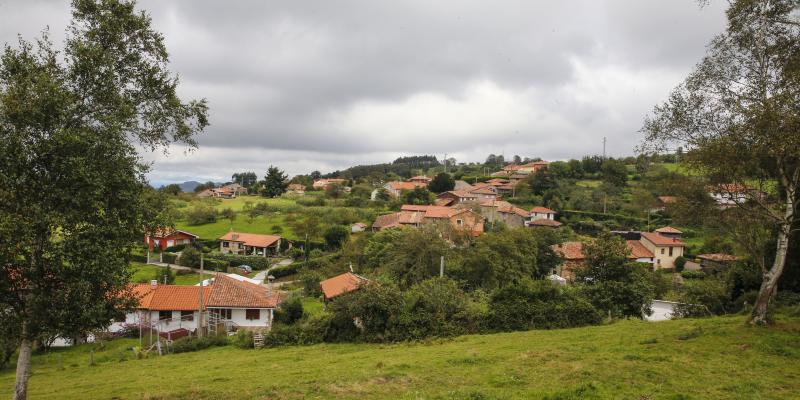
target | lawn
[
  {"x": 589, "y": 183},
  {"x": 261, "y": 224},
  {"x": 143, "y": 273},
  {"x": 719, "y": 358}
]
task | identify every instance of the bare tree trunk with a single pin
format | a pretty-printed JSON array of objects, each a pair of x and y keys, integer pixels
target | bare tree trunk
[
  {"x": 770, "y": 281},
  {"x": 23, "y": 369}
]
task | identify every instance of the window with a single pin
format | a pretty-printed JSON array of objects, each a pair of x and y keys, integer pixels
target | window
[
  {"x": 459, "y": 222},
  {"x": 187, "y": 315},
  {"x": 662, "y": 250},
  {"x": 226, "y": 244},
  {"x": 252, "y": 314},
  {"x": 670, "y": 251},
  {"x": 224, "y": 313},
  {"x": 164, "y": 315}
]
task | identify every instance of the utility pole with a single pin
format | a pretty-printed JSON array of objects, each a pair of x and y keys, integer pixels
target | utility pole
[
  {"x": 604, "y": 147},
  {"x": 441, "y": 267},
  {"x": 445, "y": 163},
  {"x": 200, "y": 304}
]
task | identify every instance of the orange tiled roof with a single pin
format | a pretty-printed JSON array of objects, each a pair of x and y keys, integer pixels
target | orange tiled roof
[
  {"x": 341, "y": 284},
  {"x": 545, "y": 222},
  {"x": 176, "y": 298},
  {"x": 638, "y": 250},
  {"x": 251, "y": 239},
  {"x": 659, "y": 240},
  {"x": 387, "y": 221},
  {"x": 668, "y": 199},
  {"x": 571, "y": 251},
  {"x": 718, "y": 257},
  {"x": 542, "y": 210},
  {"x": 668, "y": 229},
  {"x": 397, "y": 185},
  {"x": 231, "y": 293}
]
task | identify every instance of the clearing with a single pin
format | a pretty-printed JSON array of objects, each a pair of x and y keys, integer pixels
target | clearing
[{"x": 715, "y": 358}]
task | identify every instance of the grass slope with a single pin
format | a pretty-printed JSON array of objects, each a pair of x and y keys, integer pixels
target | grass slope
[
  {"x": 260, "y": 224},
  {"x": 719, "y": 358},
  {"x": 143, "y": 273}
]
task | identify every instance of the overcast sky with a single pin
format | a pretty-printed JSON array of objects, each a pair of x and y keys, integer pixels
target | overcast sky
[{"x": 329, "y": 84}]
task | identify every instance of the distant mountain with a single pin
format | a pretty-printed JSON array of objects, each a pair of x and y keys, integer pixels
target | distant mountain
[{"x": 188, "y": 186}]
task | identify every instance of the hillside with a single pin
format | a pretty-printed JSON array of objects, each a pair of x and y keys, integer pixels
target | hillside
[{"x": 717, "y": 358}]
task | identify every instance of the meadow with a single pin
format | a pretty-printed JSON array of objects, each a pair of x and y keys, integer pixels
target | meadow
[{"x": 715, "y": 358}]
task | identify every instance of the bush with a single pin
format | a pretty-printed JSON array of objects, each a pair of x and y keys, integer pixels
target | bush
[
  {"x": 690, "y": 274},
  {"x": 169, "y": 258},
  {"x": 285, "y": 270},
  {"x": 190, "y": 343},
  {"x": 201, "y": 215},
  {"x": 336, "y": 236},
  {"x": 290, "y": 311},
  {"x": 311, "y": 280},
  {"x": 679, "y": 263},
  {"x": 235, "y": 260},
  {"x": 434, "y": 307},
  {"x": 165, "y": 275},
  {"x": 540, "y": 305},
  {"x": 310, "y": 331},
  {"x": 276, "y": 229},
  {"x": 243, "y": 339},
  {"x": 175, "y": 249},
  {"x": 311, "y": 201},
  {"x": 190, "y": 257},
  {"x": 370, "y": 314}
]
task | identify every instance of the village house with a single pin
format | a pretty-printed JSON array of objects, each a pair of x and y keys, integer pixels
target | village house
[
  {"x": 666, "y": 247},
  {"x": 420, "y": 179},
  {"x": 662, "y": 202},
  {"x": 547, "y": 223},
  {"x": 322, "y": 184},
  {"x": 539, "y": 212},
  {"x": 358, "y": 227},
  {"x": 460, "y": 219},
  {"x": 164, "y": 238},
  {"x": 572, "y": 253},
  {"x": 229, "y": 304},
  {"x": 249, "y": 244},
  {"x": 395, "y": 188},
  {"x": 296, "y": 188},
  {"x": 716, "y": 261},
  {"x": 526, "y": 169},
  {"x": 341, "y": 284},
  {"x": 499, "y": 210}
]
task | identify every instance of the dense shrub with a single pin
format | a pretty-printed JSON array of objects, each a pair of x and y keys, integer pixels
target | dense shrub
[
  {"x": 169, "y": 258},
  {"x": 290, "y": 311},
  {"x": 165, "y": 275},
  {"x": 285, "y": 270},
  {"x": 540, "y": 305},
  {"x": 311, "y": 280},
  {"x": 370, "y": 314},
  {"x": 243, "y": 339},
  {"x": 190, "y": 258},
  {"x": 690, "y": 274},
  {"x": 307, "y": 331},
  {"x": 310, "y": 201},
  {"x": 435, "y": 307},
  {"x": 235, "y": 260},
  {"x": 679, "y": 263},
  {"x": 175, "y": 249},
  {"x": 190, "y": 343},
  {"x": 336, "y": 236},
  {"x": 201, "y": 215}
]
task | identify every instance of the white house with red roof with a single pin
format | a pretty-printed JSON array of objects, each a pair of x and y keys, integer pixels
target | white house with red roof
[
  {"x": 249, "y": 244},
  {"x": 173, "y": 310}
]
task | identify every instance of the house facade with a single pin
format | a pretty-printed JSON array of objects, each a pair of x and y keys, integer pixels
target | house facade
[
  {"x": 249, "y": 244},
  {"x": 460, "y": 219},
  {"x": 164, "y": 238},
  {"x": 322, "y": 184},
  {"x": 510, "y": 215},
  {"x": 395, "y": 188},
  {"x": 341, "y": 284},
  {"x": 665, "y": 249}
]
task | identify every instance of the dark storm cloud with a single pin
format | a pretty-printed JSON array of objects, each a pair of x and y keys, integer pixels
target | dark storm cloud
[{"x": 323, "y": 85}]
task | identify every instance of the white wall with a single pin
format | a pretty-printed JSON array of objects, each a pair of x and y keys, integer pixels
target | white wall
[
  {"x": 238, "y": 317},
  {"x": 662, "y": 310}
]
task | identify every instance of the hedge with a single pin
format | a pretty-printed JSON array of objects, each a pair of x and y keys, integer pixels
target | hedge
[
  {"x": 285, "y": 270},
  {"x": 234, "y": 260},
  {"x": 603, "y": 217}
]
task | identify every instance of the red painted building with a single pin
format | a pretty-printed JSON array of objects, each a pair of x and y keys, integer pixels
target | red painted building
[{"x": 163, "y": 239}]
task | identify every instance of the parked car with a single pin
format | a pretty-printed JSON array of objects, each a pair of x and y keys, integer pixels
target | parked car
[{"x": 246, "y": 268}]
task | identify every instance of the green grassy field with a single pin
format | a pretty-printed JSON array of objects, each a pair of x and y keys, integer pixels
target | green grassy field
[
  {"x": 261, "y": 224},
  {"x": 143, "y": 273},
  {"x": 719, "y": 358}
]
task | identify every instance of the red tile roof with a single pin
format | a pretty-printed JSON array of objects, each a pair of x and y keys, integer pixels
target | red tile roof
[
  {"x": 661, "y": 241},
  {"x": 251, "y": 239},
  {"x": 396, "y": 185},
  {"x": 341, "y": 284},
  {"x": 571, "y": 251},
  {"x": 231, "y": 293},
  {"x": 542, "y": 210},
  {"x": 718, "y": 257},
  {"x": 544, "y": 222},
  {"x": 668, "y": 229},
  {"x": 175, "y": 298},
  {"x": 668, "y": 199},
  {"x": 638, "y": 250},
  {"x": 387, "y": 221}
]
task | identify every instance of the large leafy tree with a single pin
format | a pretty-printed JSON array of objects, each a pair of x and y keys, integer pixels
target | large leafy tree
[
  {"x": 442, "y": 182},
  {"x": 71, "y": 179},
  {"x": 247, "y": 179},
  {"x": 275, "y": 182},
  {"x": 738, "y": 114}
]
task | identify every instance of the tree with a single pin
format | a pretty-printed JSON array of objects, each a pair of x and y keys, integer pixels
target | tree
[
  {"x": 336, "y": 236},
  {"x": 614, "y": 172},
  {"x": 246, "y": 179},
  {"x": 737, "y": 115},
  {"x": 517, "y": 159},
  {"x": 72, "y": 120},
  {"x": 334, "y": 191},
  {"x": 275, "y": 183},
  {"x": 171, "y": 189},
  {"x": 229, "y": 214},
  {"x": 442, "y": 182},
  {"x": 204, "y": 186},
  {"x": 541, "y": 181},
  {"x": 165, "y": 275},
  {"x": 613, "y": 285},
  {"x": 315, "y": 175},
  {"x": 499, "y": 259},
  {"x": 419, "y": 195},
  {"x": 414, "y": 255},
  {"x": 383, "y": 195}
]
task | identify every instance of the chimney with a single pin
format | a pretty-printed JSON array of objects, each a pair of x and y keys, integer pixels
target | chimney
[
  {"x": 270, "y": 278},
  {"x": 235, "y": 236},
  {"x": 153, "y": 283}
]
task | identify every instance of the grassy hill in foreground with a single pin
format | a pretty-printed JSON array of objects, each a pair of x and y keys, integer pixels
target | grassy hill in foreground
[{"x": 717, "y": 358}]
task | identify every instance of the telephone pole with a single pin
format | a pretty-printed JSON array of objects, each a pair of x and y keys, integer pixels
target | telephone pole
[
  {"x": 445, "y": 163},
  {"x": 604, "y": 147}
]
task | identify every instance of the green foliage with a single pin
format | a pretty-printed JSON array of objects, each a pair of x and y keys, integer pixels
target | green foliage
[
  {"x": 412, "y": 255},
  {"x": 501, "y": 258},
  {"x": 191, "y": 343},
  {"x": 190, "y": 257},
  {"x": 304, "y": 332},
  {"x": 435, "y": 307},
  {"x": 275, "y": 182},
  {"x": 370, "y": 314},
  {"x": 290, "y": 311},
  {"x": 285, "y": 270},
  {"x": 311, "y": 280},
  {"x": 202, "y": 214},
  {"x": 336, "y": 235},
  {"x": 618, "y": 288},
  {"x": 235, "y": 260},
  {"x": 419, "y": 195},
  {"x": 247, "y": 179},
  {"x": 690, "y": 274},
  {"x": 442, "y": 182},
  {"x": 614, "y": 172},
  {"x": 539, "y": 305},
  {"x": 243, "y": 339},
  {"x": 165, "y": 276},
  {"x": 680, "y": 262}
]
